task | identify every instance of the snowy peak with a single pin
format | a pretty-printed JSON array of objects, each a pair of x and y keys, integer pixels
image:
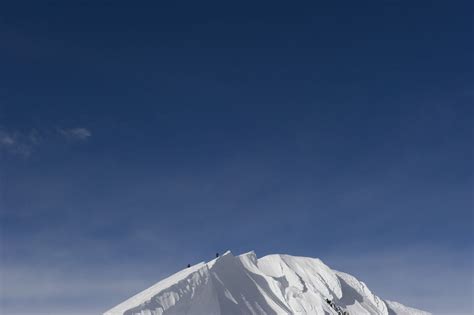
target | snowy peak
[{"x": 245, "y": 284}]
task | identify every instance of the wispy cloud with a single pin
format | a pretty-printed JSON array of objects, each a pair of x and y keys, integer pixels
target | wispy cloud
[
  {"x": 24, "y": 143},
  {"x": 76, "y": 133},
  {"x": 6, "y": 139},
  {"x": 17, "y": 143}
]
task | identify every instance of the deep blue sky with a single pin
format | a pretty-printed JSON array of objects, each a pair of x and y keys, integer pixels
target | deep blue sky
[{"x": 138, "y": 137}]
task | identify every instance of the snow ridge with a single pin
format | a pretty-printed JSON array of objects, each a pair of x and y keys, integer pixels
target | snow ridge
[{"x": 273, "y": 285}]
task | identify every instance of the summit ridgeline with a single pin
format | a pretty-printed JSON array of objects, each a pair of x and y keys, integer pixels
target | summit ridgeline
[{"x": 245, "y": 284}]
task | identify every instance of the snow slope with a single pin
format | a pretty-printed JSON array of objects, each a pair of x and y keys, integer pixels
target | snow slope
[{"x": 274, "y": 284}]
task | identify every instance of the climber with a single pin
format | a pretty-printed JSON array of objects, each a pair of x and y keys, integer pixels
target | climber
[
  {"x": 189, "y": 265},
  {"x": 217, "y": 255}
]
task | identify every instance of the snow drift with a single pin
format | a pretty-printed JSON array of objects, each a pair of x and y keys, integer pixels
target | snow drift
[{"x": 274, "y": 284}]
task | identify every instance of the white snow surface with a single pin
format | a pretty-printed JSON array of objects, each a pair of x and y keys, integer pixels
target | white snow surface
[{"x": 274, "y": 284}]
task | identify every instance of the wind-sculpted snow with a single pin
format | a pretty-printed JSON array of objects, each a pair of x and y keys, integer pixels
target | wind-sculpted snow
[{"x": 272, "y": 285}]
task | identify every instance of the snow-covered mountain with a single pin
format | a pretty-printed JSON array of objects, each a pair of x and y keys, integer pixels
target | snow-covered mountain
[{"x": 274, "y": 284}]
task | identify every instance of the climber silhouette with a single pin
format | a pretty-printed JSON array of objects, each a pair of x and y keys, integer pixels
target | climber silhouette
[{"x": 217, "y": 255}]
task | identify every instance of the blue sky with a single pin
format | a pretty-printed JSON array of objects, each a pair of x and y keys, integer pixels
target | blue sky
[{"x": 136, "y": 139}]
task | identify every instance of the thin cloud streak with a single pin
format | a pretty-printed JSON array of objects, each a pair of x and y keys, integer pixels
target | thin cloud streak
[
  {"x": 23, "y": 144},
  {"x": 76, "y": 133}
]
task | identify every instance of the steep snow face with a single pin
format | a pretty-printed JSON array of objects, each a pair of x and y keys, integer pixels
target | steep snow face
[
  {"x": 189, "y": 291},
  {"x": 273, "y": 285}
]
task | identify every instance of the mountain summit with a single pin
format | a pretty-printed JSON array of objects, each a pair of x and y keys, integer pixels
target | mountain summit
[{"x": 245, "y": 284}]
